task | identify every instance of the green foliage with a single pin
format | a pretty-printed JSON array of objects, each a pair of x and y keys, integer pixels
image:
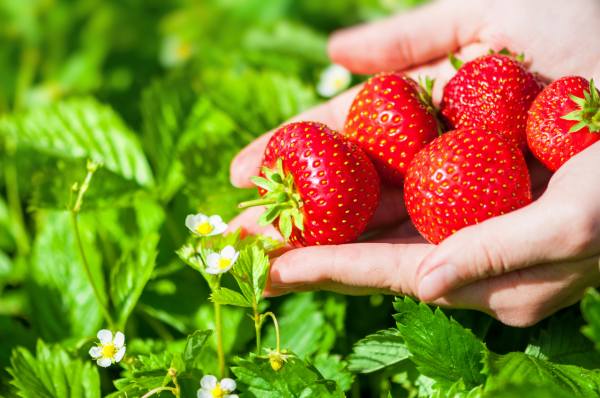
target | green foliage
[
  {"x": 295, "y": 379},
  {"x": 62, "y": 301},
  {"x": 590, "y": 308},
  {"x": 377, "y": 351},
  {"x": 81, "y": 128},
  {"x": 518, "y": 367},
  {"x": 53, "y": 373},
  {"x": 441, "y": 347}
]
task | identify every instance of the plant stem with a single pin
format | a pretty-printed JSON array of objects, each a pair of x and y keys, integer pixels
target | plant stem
[
  {"x": 257, "y": 202},
  {"x": 91, "y": 169},
  {"x": 14, "y": 200},
  {"x": 257, "y": 326},
  {"x": 157, "y": 390},
  {"x": 276, "y": 324},
  {"x": 29, "y": 61},
  {"x": 88, "y": 272},
  {"x": 219, "y": 331}
]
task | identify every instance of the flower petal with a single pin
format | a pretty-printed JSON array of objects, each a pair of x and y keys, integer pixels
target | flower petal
[
  {"x": 231, "y": 396},
  {"x": 234, "y": 259},
  {"x": 119, "y": 340},
  {"x": 228, "y": 252},
  {"x": 104, "y": 362},
  {"x": 95, "y": 352},
  {"x": 208, "y": 382},
  {"x": 212, "y": 260},
  {"x": 215, "y": 220},
  {"x": 120, "y": 354},
  {"x": 202, "y": 393},
  {"x": 105, "y": 336},
  {"x": 219, "y": 228},
  {"x": 228, "y": 384},
  {"x": 215, "y": 270}
]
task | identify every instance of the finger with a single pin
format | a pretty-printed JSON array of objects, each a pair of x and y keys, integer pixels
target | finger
[
  {"x": 522, "y": 298},
  {"x": 542, "y": 232},
  {"x": 358, "y": 268},
  {"x": 332, "y": 113},
  {"x": 407, "y": 39},
  {"x": 247, "y": 222}
]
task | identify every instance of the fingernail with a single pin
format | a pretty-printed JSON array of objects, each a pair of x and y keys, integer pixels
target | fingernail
[{"x": 433, "y": 284}]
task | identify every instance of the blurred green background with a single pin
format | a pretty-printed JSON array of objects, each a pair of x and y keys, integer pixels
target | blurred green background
[{"x": 164, "y": 93}]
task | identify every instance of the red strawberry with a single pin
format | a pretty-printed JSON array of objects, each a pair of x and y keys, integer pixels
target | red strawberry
[
  {"x": 492, "y": 92},
  {"x": 391, "y": 119},
  {"x": 462, "y": 178},
  {"x": 322, "y": 188},
  {"x": 563, "y": 120}
]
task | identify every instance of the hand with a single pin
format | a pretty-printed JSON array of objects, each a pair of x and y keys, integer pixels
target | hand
[{"x": 541, "y": 258}]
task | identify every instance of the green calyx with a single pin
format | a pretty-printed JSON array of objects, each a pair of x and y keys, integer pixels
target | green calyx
[
  {"x": 455, "y": 62},
  {"x": 588, "y": 114},
  {"x": 426, "y": 97},
  {"x": 281, "y": 200},
  {"x": 507, "y": 52}
]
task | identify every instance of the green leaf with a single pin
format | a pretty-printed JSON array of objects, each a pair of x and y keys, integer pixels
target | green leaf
[
  {"x": 258, "y": 101},
  {"x": 166, "y": 106},
  {"x": 80, "y": 129},
  {"x": 455, "y": 62},
  {"x": 377, "y": 351},
  {"x": 590, "y": 309},
  {"x": 52, "y": 373},
  {"x": 441, "y": 347},
  {"x": 250, "y": 272},
  {"x": 517, "y": 367},
  {"x": 333, "y": 368},
  {"x": 62, "y": 299},
  {"x": 193, "y": 347},
  {"x": 130, "y": 275},
  {"x": 226, "y": 296},
  {"x": 296, "y": 378},
  {"x": 458, "y": 390},
  {"x": 526, "y": 389},
  {"x": 562, "y": 342}
]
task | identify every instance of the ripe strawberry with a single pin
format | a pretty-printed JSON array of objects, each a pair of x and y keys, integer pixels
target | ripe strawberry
[
  {"x": 391, "y": 119},
  {"x": 563, "y": 120},
  {"x": 492, "y": 92},
  {"x": 462, "y": 178},
  {"x": 322, "y": 188}
]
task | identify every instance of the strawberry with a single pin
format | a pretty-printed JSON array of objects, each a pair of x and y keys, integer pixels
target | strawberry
[
  {"x": 563, "y": 120},
  {"x": 318, "y": 187},
  {"x": 464, "y": 177},
  {"x": 391, "y": 119},
  {"x": 492, "y": 92}
]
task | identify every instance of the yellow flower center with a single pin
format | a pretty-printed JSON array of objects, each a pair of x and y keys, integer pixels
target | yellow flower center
[
  {"x": 204, "y": 228},
  {"x": 109, "y": 350},
  {"x": 218, "y": 392},
  {"x": 224, "y": 263},
  {"x": 184, "y": 50}
]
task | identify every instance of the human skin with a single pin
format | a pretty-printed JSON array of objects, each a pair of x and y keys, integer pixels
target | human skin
[{"x": 519, "y": 267}]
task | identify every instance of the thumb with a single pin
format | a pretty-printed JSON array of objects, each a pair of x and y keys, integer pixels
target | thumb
[
  {"x": 536, "y": 234},
  {"x": 408, "y": 39}
]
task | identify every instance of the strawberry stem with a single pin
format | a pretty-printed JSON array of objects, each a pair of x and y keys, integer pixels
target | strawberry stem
[
  {"x": 282, "y": 203},
  {"x": 258, "y": 202}
]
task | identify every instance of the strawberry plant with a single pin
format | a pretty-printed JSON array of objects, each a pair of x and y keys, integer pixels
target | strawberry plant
[{"x": 118, "y": 277}]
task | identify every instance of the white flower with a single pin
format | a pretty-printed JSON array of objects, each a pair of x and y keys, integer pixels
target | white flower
[
  {"x": 110, "y": 350},
  {"x": 203, "y": 225},
  {"x": 218, "y": 263},
  {"x": 175, "y": 51},
  {"x": 210, "y": 387},
  {"x": 334, "y": 79}
]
